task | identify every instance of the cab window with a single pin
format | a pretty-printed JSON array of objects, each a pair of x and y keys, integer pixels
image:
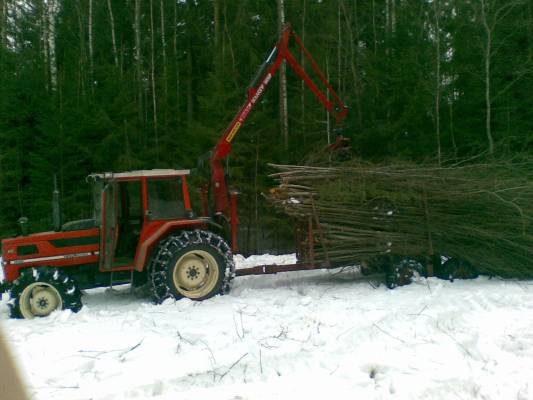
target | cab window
[{"x": 165, "y": 198}]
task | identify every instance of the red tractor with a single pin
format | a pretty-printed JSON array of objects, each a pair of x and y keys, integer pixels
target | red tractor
[
  {"x": 142, "y": 222},
  {"x": 143, "y": 228}
]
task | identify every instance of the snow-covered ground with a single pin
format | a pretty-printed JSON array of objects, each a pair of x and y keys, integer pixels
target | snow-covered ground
[{"x": 316, "y": 334}]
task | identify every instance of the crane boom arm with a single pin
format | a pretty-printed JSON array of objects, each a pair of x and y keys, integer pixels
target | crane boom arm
[{"x": 279, "y": 53}]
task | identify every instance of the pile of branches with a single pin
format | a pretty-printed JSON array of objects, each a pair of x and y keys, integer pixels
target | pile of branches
[{"x": 481, "y": 213}]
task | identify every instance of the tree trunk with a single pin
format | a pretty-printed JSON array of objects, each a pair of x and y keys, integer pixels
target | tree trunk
[
  {"x": 217, "y": 58},
  {"x": 328, "y": 123},
  {"x": 436, "y": 11},
  {"x": 91, "y": 48},
  {"x": 376, "y": 100},
  {"x": 530, "y": 26},
  {"x": 487, "y": 53},
  {"x": 61, "y": 144},
  {"x": 44, "y": 42},
  {"x": 164, "y": 50},
  {"x": 82, "y": 59},
  {"x": 302, "y": 62},
  {"x": 216, "y": 12},
  {"x": 189, "y": 83},
  {"x": 374, "y": 32},
  {"x": 353, "y": 57},
  {"x": 152, "y": 75},
  {"x": 176, "y": 63},
  {"x": 113, "y": 37},
  {"x": 3, "y": 23},
  {"x": 232, "y": 53},
  {"x": 53, "y": 9},
  {"x": 190, "y": 105},
  {"x": 387, "y": 26},
  {"x": 257, "y": 191},
  {"x": 339, "y": 46},
  {"x": 452, "y": 131},
  {"x": 283, "y": 114},
  {"x": 392, "y": 16},
  {"x": 138, "y": 59}
]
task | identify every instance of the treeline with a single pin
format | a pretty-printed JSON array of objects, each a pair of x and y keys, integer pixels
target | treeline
[{"x": 110, "y": 85}]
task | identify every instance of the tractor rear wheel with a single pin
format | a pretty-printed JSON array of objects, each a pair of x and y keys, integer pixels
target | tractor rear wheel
[
  {"x": 40, "y": 291},
  {"x": 194, "y": 264}
]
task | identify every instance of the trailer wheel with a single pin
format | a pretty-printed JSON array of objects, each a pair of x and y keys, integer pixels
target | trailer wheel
[
  {"x": 403, "y": 272},
  {"x": 194, "y": 264},
  {"x": 40, "y": 291},
  {"x": 455, "y": 268}
]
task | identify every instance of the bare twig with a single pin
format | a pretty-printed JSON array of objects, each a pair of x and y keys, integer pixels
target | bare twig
[
  {"x": 240, "y": 334},
  {"x": 388, "y": 334},
  {"x": 131, "y": 349},
  {"x": 260, "y": 361},
  {"x": 231, "y": 367}
]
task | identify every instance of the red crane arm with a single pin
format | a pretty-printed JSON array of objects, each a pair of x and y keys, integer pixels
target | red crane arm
[{"x": 281, "y": 52}]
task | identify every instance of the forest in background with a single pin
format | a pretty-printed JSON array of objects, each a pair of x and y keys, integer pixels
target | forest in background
[{"x": 113, "y": 85}]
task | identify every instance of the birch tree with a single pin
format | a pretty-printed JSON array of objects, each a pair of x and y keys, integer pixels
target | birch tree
[
  {"x": 44, "y": 41},
  {"x": 175, "y": 54},
  {"x": 283, "y": 111},
  {"x": 163, "y": 48},
  {"x": 353, "y": 41},
  {"x": 53, "y": 10},
  {"x": 491, "y": 14},
  {"x": 138, "y": 59},
  {"x": 438, "y": 56},
  {"x": 152, "y": 74},
  {"x": 113, "y": 35},
  {"x": 90, "y": 42},
  {"x": 302, "y": 62}
]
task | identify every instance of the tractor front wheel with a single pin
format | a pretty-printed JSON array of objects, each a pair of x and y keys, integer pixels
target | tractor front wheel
[
  {"x": 40, "y": 291},
  {"x": 194, "y": 264}
]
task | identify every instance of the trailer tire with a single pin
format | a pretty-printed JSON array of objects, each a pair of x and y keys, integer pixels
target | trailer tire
[
  {"x": 403, "y": 272},
  {"x": 193, "y": 264},
  {"x": 455, "y": 268},
  {"x": 37, "y": 292}
]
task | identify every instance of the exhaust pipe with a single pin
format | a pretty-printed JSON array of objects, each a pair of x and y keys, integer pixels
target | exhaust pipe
[{"x": 23, "y": 222}]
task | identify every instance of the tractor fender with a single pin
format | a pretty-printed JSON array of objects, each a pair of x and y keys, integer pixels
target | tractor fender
[{"x": 145, "y": 249}]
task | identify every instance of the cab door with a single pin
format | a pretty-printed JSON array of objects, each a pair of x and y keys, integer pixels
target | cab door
[{"x": 109, "y": 229}]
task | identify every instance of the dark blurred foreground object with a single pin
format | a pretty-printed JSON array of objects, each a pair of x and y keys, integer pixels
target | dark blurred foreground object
[
  {"x": 457, "y": 220},
  {"x": 11, "y": 387}
]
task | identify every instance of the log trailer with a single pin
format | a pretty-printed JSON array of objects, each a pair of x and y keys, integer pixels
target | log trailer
[{"x": 144, "y": 230}]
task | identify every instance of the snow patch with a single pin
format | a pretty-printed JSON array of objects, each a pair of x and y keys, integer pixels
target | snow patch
[
  {"x": 309, "y": 334},
  {"x": 264, "y": 259}
]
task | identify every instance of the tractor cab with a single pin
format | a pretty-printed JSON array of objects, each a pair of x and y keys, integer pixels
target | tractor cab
[{"x": 130, "y": 207}]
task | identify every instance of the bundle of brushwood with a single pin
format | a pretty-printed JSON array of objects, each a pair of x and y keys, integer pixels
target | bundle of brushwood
[{"x": 480, "y": 212}]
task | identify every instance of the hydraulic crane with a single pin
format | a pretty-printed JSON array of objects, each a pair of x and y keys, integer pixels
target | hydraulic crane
[{"x": 259, "y": 84}]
